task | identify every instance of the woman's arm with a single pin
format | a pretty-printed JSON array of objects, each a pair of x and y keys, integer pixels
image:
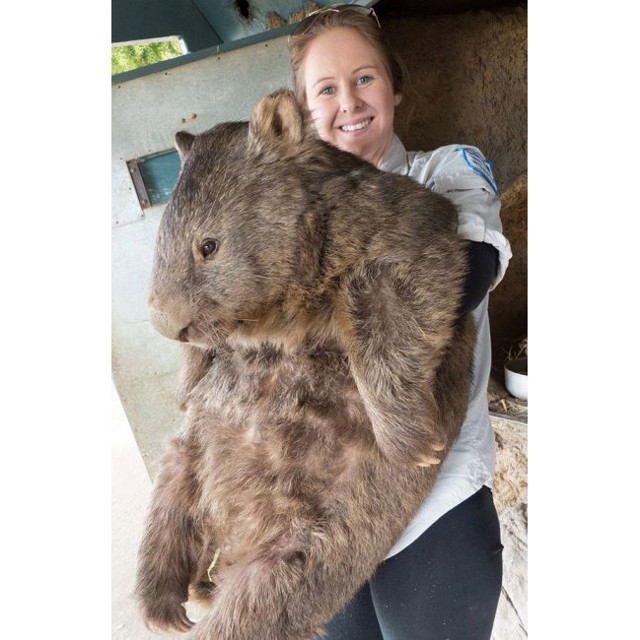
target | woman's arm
[
  {"x": 483, "y": 267},
  {"x": 465, "y": 177}
]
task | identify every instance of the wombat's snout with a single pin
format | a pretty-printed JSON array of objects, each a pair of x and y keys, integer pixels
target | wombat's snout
[{"x": 171, "y": 318}]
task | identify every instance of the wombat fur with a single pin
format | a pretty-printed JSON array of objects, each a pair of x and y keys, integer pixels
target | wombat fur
[{"x": 325, "y": 375}]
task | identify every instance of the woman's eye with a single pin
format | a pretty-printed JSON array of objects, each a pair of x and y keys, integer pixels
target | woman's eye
[
  {"x": 209, "y": 247},
  {"x": 364, "y": 80},
  {"x": 327, "y": 91}
]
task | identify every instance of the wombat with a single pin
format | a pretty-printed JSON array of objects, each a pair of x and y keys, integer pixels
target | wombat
[{"x": 326, "y": 374}]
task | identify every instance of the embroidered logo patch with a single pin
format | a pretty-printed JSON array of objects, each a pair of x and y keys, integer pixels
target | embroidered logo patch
[{"x": 478, "y": 163}]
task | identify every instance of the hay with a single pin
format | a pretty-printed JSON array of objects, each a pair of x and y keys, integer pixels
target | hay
[{"x": 502, "y": 403}]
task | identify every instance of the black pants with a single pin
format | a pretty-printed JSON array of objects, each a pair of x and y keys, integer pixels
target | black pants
[{"x": 443, "y": 586}]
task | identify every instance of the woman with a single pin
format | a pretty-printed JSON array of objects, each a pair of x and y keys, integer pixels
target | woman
[{"x": 442, "y": 578}]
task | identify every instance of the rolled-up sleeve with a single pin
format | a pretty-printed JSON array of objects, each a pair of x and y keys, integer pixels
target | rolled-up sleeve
[
  {"x": 479, "y": 220},
  {"x": 462, "y": 174}
]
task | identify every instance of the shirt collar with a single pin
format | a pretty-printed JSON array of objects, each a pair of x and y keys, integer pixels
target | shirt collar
[{"x": 395, "y": 160}]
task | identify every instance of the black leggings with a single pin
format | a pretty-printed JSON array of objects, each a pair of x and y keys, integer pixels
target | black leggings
[{"x": 443, "y": 586}]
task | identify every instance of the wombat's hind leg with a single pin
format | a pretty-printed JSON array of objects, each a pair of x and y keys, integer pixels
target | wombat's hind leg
[
  {"x": 291, "y": 592},
  {"x": 170, "y": 545},
  {"x": 165, "y": 615}
]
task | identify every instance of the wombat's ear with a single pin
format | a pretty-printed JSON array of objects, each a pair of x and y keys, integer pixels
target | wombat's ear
[
  {"x": 277, "y": 123},
  {"x": 183, "y": 141}
]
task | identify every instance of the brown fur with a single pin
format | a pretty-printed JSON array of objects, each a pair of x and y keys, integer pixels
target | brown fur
[{"x": 323, "y": 364}]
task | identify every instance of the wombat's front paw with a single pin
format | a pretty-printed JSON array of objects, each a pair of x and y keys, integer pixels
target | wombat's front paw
[
  {"x": 430, "y": 459},
  {"x": 165, "y": 614},
  {"x": 422, "y": 452}
]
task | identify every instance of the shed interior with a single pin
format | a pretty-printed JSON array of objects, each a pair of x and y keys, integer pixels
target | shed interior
[{"x": 467, "y": 62}]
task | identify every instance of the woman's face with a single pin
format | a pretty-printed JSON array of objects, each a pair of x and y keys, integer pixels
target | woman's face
[{"x": 349, "y": 93}]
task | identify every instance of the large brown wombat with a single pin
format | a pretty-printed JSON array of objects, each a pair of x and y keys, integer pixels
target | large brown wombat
[{"x": 325, "y": 375}]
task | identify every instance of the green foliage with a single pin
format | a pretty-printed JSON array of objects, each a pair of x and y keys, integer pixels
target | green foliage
[{"x": 140, "y": 55}]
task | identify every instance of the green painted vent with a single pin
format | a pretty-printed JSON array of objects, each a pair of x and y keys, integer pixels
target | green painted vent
[{"x": 155, "y": 176}]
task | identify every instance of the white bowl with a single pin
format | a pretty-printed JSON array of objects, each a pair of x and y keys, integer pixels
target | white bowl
[{"x": 515, "y": 378}]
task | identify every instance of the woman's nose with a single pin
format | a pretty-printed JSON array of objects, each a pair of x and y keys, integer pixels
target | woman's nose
[{"x": 350, "y": 100}]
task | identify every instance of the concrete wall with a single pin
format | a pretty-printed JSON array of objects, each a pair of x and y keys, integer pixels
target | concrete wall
[{"x": 146, "y": 114}]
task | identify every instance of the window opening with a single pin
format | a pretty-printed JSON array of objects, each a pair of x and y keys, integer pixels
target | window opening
[
  {"x": 154, "y": 177},
  {"x": 126, "y": 56}
]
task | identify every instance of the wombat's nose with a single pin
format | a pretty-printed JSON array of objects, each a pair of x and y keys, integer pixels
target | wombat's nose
[{"x": 169, "y": 317}]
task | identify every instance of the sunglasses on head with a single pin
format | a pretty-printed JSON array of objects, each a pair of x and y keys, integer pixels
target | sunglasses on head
[{"x": 335, "y": 8}]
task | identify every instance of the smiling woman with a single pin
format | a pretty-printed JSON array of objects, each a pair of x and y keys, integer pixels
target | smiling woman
[
  {"x": 350, "y": 82},
  {"x": 350, "y": 94},
  {"x": 349, "y": 78}
]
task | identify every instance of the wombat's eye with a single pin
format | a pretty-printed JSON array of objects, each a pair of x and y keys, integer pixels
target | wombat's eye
[{"x": 209, "y": 247}]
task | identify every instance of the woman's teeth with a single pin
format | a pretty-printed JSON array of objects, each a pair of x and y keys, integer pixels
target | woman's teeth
[{"x": 355, "y": 127}]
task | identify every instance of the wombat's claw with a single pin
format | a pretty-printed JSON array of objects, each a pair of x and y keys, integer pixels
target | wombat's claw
[
  {"x": 427, "y": 461},
  {"x": 438, "y": 446},
  {"x": 202, "y": 631},
  {"x": 167, "y": 620},
  {"x": 183, "y": 623}
]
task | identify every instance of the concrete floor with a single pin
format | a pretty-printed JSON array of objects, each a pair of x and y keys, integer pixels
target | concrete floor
[{"x": 131, "y": 488}]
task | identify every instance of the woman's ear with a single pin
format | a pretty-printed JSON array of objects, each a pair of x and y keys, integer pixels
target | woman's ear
[
  {"x": 277, "y": 124},
  {"x": 397, "y": 99},
  {"x": 396, "y": 322}
]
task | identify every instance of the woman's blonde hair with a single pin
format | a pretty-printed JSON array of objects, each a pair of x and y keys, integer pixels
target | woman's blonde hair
[{"x": 351, "y": 17}]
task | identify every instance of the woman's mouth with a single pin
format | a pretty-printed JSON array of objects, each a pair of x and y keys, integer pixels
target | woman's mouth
[{"x": 357, "y": 126}]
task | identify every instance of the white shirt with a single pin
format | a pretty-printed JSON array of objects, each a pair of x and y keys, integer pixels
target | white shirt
[{"x": 464, "y": 176}]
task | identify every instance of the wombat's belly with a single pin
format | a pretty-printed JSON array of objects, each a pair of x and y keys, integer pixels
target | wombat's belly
[{"x": 282, "y": 436}]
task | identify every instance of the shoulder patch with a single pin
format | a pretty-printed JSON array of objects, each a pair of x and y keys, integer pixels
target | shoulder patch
[{"x": 478, "y": 163}]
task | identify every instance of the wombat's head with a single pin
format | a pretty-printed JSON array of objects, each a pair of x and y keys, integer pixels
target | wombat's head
[{"x": 229, "y": 245}]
